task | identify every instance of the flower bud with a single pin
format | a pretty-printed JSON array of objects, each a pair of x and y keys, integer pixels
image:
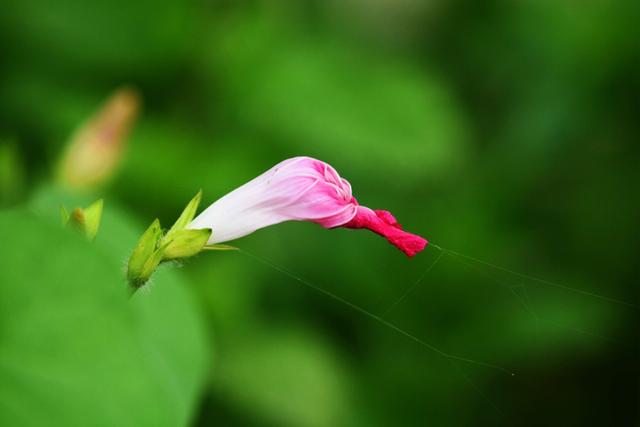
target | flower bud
[
  {"x": 95, "y": 149},
  {"x": 145, "y": 257},
  {"x": 154, "y": 247}
]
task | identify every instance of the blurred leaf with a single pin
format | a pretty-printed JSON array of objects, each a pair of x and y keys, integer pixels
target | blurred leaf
[
  {"x": 382, "y": 115},
  {"x": 113, "y": 35},
  {"x": 11, "y": 172},
  {"x": 74, "y": 348},
  {"x": 178, "y": 146},
  {"x": 42, "y": 105},
  {"x": 64, "y": 215},
  {"x": 286, "y": 377}
]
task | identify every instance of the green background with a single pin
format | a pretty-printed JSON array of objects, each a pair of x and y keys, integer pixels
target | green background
[{"x": 503, "y": 130}]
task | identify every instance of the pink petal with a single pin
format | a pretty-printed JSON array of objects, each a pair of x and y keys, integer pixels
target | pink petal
[{"x": 297, "y": 189}]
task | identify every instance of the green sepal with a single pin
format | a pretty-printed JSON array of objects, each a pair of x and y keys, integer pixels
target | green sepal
[
  {"x": 220, "y": 247},
  {"x": 143, "y": 252},
  {"x": 149, "y": 266},
  {"x": 185, "y": 218},
  {"x": 92, "y": 218},
  {"x": 154, "y": 247},
  {"x": 76, "y": 219},
  {"x": 185, "y": 243},
  {"x": 86, "y": 220}
]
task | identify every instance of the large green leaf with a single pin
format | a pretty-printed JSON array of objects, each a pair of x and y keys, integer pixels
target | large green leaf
[{"x": 74, "y": 349}]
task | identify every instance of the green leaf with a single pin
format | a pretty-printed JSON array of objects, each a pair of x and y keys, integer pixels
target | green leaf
[
  {"x": 75, "y": 349},
  {"x": 186, "y": 243},
  {"x": 186, "y": 216},
  {"x": 143, "y": 251}
]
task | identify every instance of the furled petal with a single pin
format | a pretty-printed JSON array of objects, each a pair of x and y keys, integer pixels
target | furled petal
[{"x": 299, "y": 189}]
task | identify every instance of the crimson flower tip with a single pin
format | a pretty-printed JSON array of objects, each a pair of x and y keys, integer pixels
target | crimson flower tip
[{"x": 385, "y": 224}]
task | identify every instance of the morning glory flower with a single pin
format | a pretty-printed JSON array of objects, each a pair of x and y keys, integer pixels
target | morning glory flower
[{"x": 299, "y": 189}]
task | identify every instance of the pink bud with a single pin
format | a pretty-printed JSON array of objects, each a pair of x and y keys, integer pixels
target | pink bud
[
  {"x": 299, "y": 189},
  {"x": 95, "y": 150}
]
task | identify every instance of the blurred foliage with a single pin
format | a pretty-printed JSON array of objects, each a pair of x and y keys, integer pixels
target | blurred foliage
[
  {"x": 504, "y": 130},
  {"x": 75, "y": 350},
  {"x": 11, "y": 173}
]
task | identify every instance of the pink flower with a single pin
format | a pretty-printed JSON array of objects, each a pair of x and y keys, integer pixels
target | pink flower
[{"x": 299, "y": 189}]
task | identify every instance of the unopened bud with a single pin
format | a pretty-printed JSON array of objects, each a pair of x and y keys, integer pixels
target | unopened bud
[
  {"x": 94, "y": 151},
  {"x": 153, "y": 248},
  {"x": 145, "y": 257}
]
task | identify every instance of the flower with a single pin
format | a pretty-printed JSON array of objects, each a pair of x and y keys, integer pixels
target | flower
[{"x": 299, "y": 189}]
